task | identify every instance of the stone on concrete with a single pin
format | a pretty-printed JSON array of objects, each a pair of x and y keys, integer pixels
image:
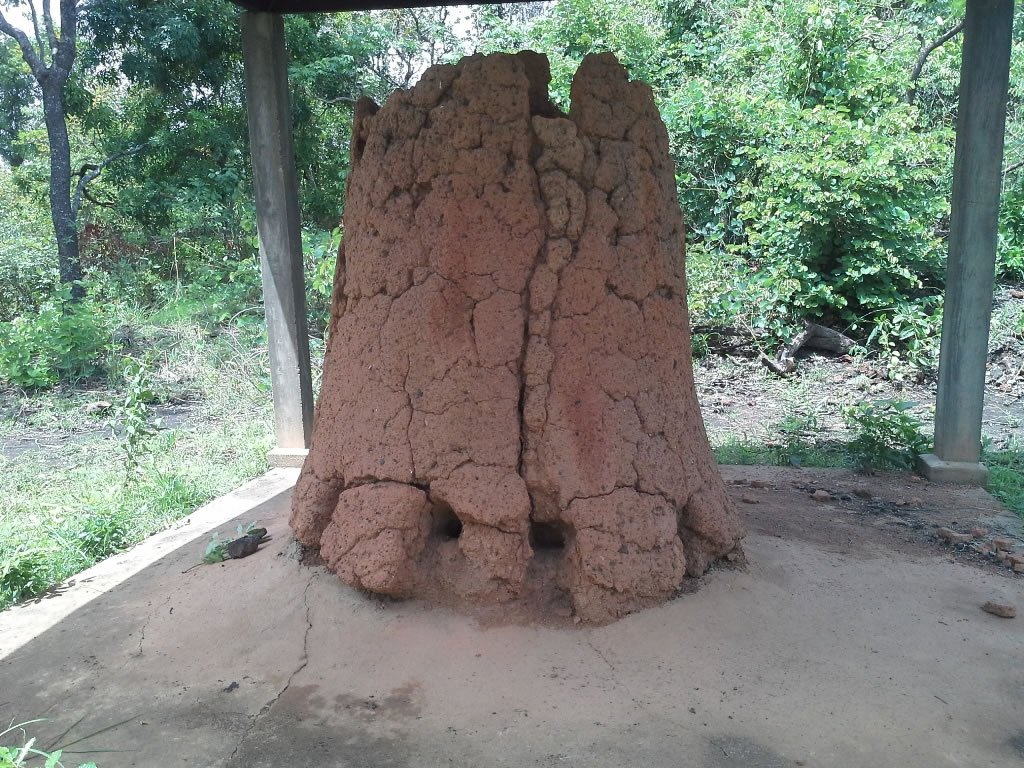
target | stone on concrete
[
  {"x": 1001, "y": 609},
  {"x": 510, "y": 344}
]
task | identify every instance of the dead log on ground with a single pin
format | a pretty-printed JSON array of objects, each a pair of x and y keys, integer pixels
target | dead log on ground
[{"x": 813, "y": 336}]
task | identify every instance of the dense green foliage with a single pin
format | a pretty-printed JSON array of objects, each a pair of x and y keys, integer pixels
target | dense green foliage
[{"x": 28, "y": 264}]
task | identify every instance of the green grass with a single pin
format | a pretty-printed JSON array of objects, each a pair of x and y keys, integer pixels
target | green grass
[
  {"x": 1006, "y": 475},
  {"x": 788, "y": 451},
  {"x": 68, "y": 509},
  {"x": 64, "y": 507}
]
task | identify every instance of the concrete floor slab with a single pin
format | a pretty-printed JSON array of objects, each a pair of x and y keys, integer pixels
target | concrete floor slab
[{"x": 810, "y": 655}]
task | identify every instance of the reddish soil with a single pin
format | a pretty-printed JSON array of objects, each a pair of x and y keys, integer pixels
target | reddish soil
[{"x": 869, "y": 515}]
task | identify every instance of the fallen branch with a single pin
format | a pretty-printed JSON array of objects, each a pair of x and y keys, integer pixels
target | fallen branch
[
  {"x": 776, "y": 367},
  {"x": 813, "y": 336},
  {"x": 1012, "y": 167},
  {"x": 827, "y": 340}
]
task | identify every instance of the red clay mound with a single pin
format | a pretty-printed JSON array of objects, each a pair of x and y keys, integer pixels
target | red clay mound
[{"x": 508, "y": 404}]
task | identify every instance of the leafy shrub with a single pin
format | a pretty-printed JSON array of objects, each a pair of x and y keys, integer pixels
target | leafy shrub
[
  {"x": 908, "y": 334},
  {"x": 59, "y": 342},
  {"x": 103, "y": 533},
  {"x": 320, "y": 255},
  {"x": 711, "y": 134},
  {"x": 28, "y": 252},
  {"x": 1010, "y": 253},
  {"x": 132, "y": 414},
  {"x": 886, "y": 435},
  {"x": 842, "y": 217}
]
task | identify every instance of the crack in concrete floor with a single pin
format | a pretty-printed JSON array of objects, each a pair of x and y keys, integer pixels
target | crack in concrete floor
[{"x": 303, "y": 663}]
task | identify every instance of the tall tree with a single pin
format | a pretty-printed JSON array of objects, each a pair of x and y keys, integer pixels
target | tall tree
[{"x": 50, "y": 61}]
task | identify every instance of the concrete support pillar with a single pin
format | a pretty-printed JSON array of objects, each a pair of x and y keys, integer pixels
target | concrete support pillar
[
  {"x": 974, "y": 224},
  {"x": 278, "y": 223}
]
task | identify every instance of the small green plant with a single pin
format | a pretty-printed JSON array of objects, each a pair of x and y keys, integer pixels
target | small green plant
[
  {"x": 217, "y": 548},
  {"x": 886, "y": 435},
  {"x": 907, "y": 336},
  {"x": 24, "y": 572},
  {"x": 132, "y": 415},
  {"x": 27, "y": 754},
  {"x": 102, "y": 534}
]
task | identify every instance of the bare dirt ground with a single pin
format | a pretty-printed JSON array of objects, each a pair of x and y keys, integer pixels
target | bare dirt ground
[
  {"x": 849, "y": 636},
  {"x": 740, "y": 398},
  {"x": 867, "y": 515}
]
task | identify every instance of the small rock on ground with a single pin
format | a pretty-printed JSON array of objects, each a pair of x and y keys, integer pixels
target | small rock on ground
[
  {"x": 952, "y": 536},
  {"x": 1003, "y": 610}
]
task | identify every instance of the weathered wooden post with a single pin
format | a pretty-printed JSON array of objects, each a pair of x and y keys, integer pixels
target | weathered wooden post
[
  {"x": 278, "y": 222},
  {"x": 974, "y": 226}
]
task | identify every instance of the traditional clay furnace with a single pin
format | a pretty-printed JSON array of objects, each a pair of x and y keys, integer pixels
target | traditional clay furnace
[{"x": 508, "y": 408}]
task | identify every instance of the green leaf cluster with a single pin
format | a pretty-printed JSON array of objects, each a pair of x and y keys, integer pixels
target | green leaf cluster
[
  {"x": 28, "y": 754},
  {"x": 61, "y": 342},
  {"x": 886, "y": 435},
  {"x": 841, "y": 216}
]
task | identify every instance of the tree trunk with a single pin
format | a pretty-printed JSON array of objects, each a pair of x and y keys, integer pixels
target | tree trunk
[
  {"x": 50, "y": 65},
  {"x": 64, "y": 226}
]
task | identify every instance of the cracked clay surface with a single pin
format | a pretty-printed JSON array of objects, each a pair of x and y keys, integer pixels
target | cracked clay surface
[{"x": 508, "y": 408}]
